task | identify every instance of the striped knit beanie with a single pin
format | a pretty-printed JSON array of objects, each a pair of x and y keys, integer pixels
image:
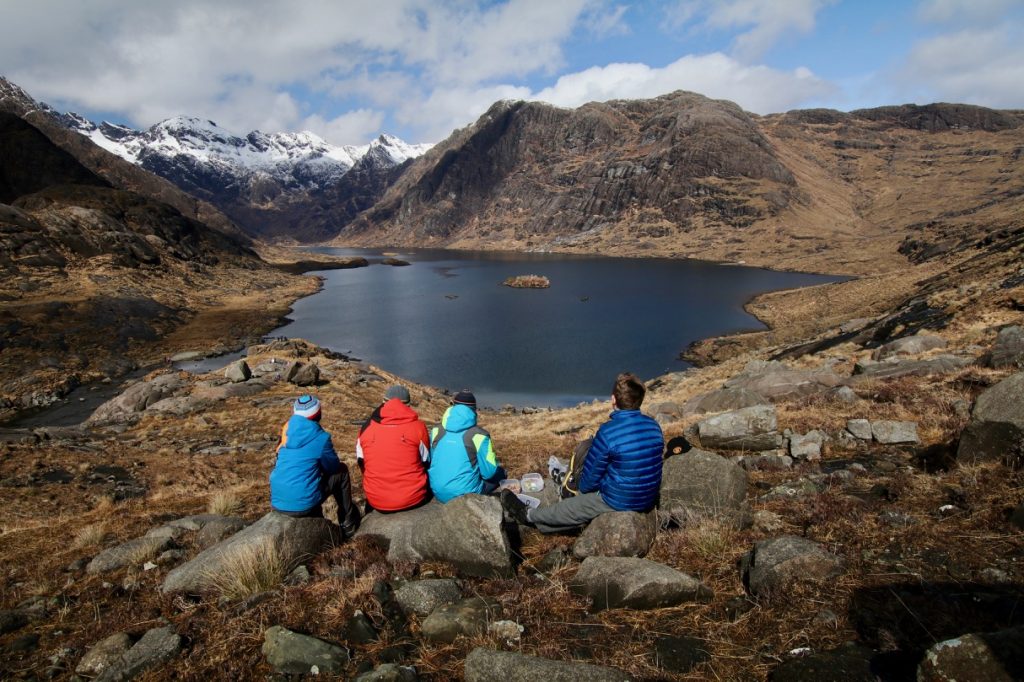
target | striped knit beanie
[{"x": 306, "y": 406}]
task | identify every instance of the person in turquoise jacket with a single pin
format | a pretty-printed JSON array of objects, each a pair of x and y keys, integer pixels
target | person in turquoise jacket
[
  {"x": 462, "y": 459},
  {"x": 308, "y": 470}
]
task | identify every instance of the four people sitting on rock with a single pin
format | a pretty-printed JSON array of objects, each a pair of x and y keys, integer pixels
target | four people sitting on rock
[
  {"x": 621, "y": 472},
  {"x": 392, "y": 451},
  {"x": 462, "y": 459},
  {"x": 308, "y": 470}
]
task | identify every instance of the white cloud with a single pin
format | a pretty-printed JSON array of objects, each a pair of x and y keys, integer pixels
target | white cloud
[
  {"x": 755, "y": 88},
  {"x": 972, "y": 11},
  {"x": 766, "y": 21},
  {"x": 976, "y": 66},
  {"x": 361, "y": 124},
  {"x": 446, "y": 109}
]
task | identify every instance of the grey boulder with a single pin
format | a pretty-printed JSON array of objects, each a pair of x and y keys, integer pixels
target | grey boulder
[
  {"x": 468, "y": 617},
  {"x": 293, "y": 653},
  {"x": 751, "y": 428},
  {"x": 133, "y": 552},
  {"x": 302, "y": 373},
  {"x": 631, "y": 583},
  {"x": 890, "y": 369},
  {"x": 777, "y": 381},
  {"x": 237, "y": 372},
  {"x": 135, "y": 399},
  {"x": 859, "y": 428},
  {"x": 155, "y": 648},
  {"x": 774, "y": 564},
  {"x": 467, "y": 532},
  {"x": 807, "y": 446},
  {"x": 993, "y": 657},
  {"x": 423, "y": 596},
  {"x": 996, "y": 429},
  {"x": 894, "y": 432},
  {"x": 1008, "y": 350},
  {"x": 700, "y": 484},
  {"x": 617, "y": 534},
  {"x": 104, "y": 654},
  {"x": 909, "y": 345},
  {"x": 293, "y": 539},
  {"x": 723, "y": 400},
  {"x": 489, "y": 665}
]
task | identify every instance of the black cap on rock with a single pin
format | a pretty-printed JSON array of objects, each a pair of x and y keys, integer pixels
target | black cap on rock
[{"x": 465, "y": 397}]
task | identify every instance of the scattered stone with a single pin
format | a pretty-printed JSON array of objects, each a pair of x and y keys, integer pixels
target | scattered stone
[
  {"x": 389, "y": 672},
  {"x": 295, "y": 540},
  {"x": 723, "y": 400},
  {"x": 893, "y": 432},
  {"x": 156, "y": 647},
  {"x": 467, "y": 532},
  {"x": 302, "y": 373},
  {"x": 1008, "y": 350},
  {"x": 11, "y": 621},
  {"x": 488, "y": 665},
  {"x": 765, "y": 461},
  {"x": 292, "y": 653},
  {"x": 625, "y": 582},
  {"x": 508, "y": 631},
  {"x": 679, "y": 654},
  {"x": 359, "y": 629},
  {"x": 807, "y": 446},
  {"x": 850, "y": 663},
  {"x": 617, "y": 534},
  {"x": 701, "y": 484},
  {"x": 908, "y": 345},
  {"x": 773, "y": 564},
  {"x": 751, "y": 428},
  {"x": 237, "y": 372},
  {"x": 996, "y": 429},
  {"x": 423, "y": 596},
  {"x": 130, "y": 553},
  {"x": 467, "y": 617},
  {"x": 792, "y": 490},
  {"x": 859, "y": 428},
  {"x": 842, "y": 394},
  {"x": 993, "y": 657},
  {"x": 104, "y": 654}
]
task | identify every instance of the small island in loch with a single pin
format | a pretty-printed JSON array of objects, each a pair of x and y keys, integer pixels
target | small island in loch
[{"x": 527, "y": 282}]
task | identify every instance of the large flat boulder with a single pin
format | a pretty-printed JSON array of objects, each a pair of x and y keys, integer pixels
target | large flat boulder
[
  {"x": 631, "y": 583},
  {"x": 617, "y": 534},
  {"x": 909, "y": 345},
  {"x": 467, "y": 533},
  {"x": 135, "y": 399},
  {"x": 775, "y": 563},
  {"x": 132, "y": 553},
  {"x": 777, "y": 381},
  {"x": 699, "y": 484},
  {"x": 723, "y": 400},
  {"x": 996, "y": 429},
  {"x": 294, "y": 540},
  {"x": 489, "y": 665},
  {"x": 751, "y": 428},
  {"x": 892, "y": 368}
]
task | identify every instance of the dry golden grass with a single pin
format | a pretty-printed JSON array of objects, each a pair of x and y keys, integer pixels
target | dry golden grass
[
  {"x": 224, "y": 503},
  {"x": 248, "y": 570},
  {"x": 89, "y": 536}
]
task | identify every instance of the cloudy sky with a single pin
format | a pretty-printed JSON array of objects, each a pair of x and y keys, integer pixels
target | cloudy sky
[{"x": 350, "y": 69}]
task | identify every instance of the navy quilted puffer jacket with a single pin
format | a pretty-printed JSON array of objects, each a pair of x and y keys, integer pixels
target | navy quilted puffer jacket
[{"x": 624, "y": 462}]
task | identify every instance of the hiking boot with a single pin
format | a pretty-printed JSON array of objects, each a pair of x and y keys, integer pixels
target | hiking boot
[{"x": 515, "y": 508}]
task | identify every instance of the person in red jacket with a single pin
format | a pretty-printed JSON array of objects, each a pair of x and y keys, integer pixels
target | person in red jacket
[{"x": 391, "y": 451}]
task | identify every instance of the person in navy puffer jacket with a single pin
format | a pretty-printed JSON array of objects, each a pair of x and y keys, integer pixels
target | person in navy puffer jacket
[
  {"x": 621, "y": 472},
  {"x": 308, "y": 470}
]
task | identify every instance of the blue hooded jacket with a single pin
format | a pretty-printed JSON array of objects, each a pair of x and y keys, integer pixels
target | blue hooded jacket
[
  {"x": 304, "y": 457},
  {"x": 624, "y": 462},
  {"x": 450, "y": 472}
]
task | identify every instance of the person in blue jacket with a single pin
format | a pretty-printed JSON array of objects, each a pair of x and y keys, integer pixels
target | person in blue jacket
[
  {"x": 621, "y": 472},
  {"x": 462, "y": 459},
  {"x": 308, "y": 470}
]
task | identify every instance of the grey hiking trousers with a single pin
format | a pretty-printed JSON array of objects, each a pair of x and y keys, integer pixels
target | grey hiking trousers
[{"x": 568, "y": 514}]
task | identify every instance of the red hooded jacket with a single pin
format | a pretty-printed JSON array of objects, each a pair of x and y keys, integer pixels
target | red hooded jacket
[{"x": 392, "y": 449}]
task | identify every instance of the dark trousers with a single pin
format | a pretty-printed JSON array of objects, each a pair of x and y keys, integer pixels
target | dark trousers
[{"x": 338, "y": 486}]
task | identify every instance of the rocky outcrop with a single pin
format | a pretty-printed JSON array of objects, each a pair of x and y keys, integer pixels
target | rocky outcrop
[
  {"x": 489, "y": 665},
  {"x": 617, "y": 534},
  {"x": 776, "y": 380},
  {"x": 751, "y": 428},
  {"x": 996, "y": 429},
  {"x": 893, "y": 367},
  {"x": 773, "y": 564},
  {"x": 908, "y": 345},
  {"x": 293, "y": 540},
  {"x": 723, "y": 400},
  {"x": 699, "y": 484},
  {"x": 466, "y": 532},
  {"x": 630, "y": 583},
  {"x": 136, "y": 398}
]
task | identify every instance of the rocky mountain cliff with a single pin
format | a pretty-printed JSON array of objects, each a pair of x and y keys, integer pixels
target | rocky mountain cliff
[{"x": 684, "y": 175}]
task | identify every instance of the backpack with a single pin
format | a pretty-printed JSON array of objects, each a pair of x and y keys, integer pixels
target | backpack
[
  {"x": 570, "y": 483},
  {"x": 467, "y": 441}
]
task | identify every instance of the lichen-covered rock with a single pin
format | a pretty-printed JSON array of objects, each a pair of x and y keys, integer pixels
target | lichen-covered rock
[
  {"x": 237, "y": 372},
  {"x": 617, "y": 534},
  {"x": 751, "y": 428},
  {"x": 155, "y": 647},
  {"x": 701, "y": 484},
  {"x": 104, "y": 654},
  {"x": 996, "y": 429},
  {"x": 777, "y": 381},
  {"x": 993, "y": 657},
  {"x": 488, "y": 665},
  {"x": 466, "y": 617},
  {"x": 894, "y": 432},
  {"x": 773, "y": 564},
  {"x": 293, "y": 653},
  {"x": 909, "y": 345},
  {"x": 859, "y": 428},
  {"x": 467, "y": 532},
  {"x": 423, "y": 596},
  {"x": 133, "y": 552},
  {"x": 624, "y": 582},
  {"x": 807, "y": 446}
]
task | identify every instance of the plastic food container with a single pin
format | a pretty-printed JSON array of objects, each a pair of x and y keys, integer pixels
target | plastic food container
[
  {"x": 531, "y": 502},
  {"x": 532, "y": 483},
  {"x": 510, "y": 484}
]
